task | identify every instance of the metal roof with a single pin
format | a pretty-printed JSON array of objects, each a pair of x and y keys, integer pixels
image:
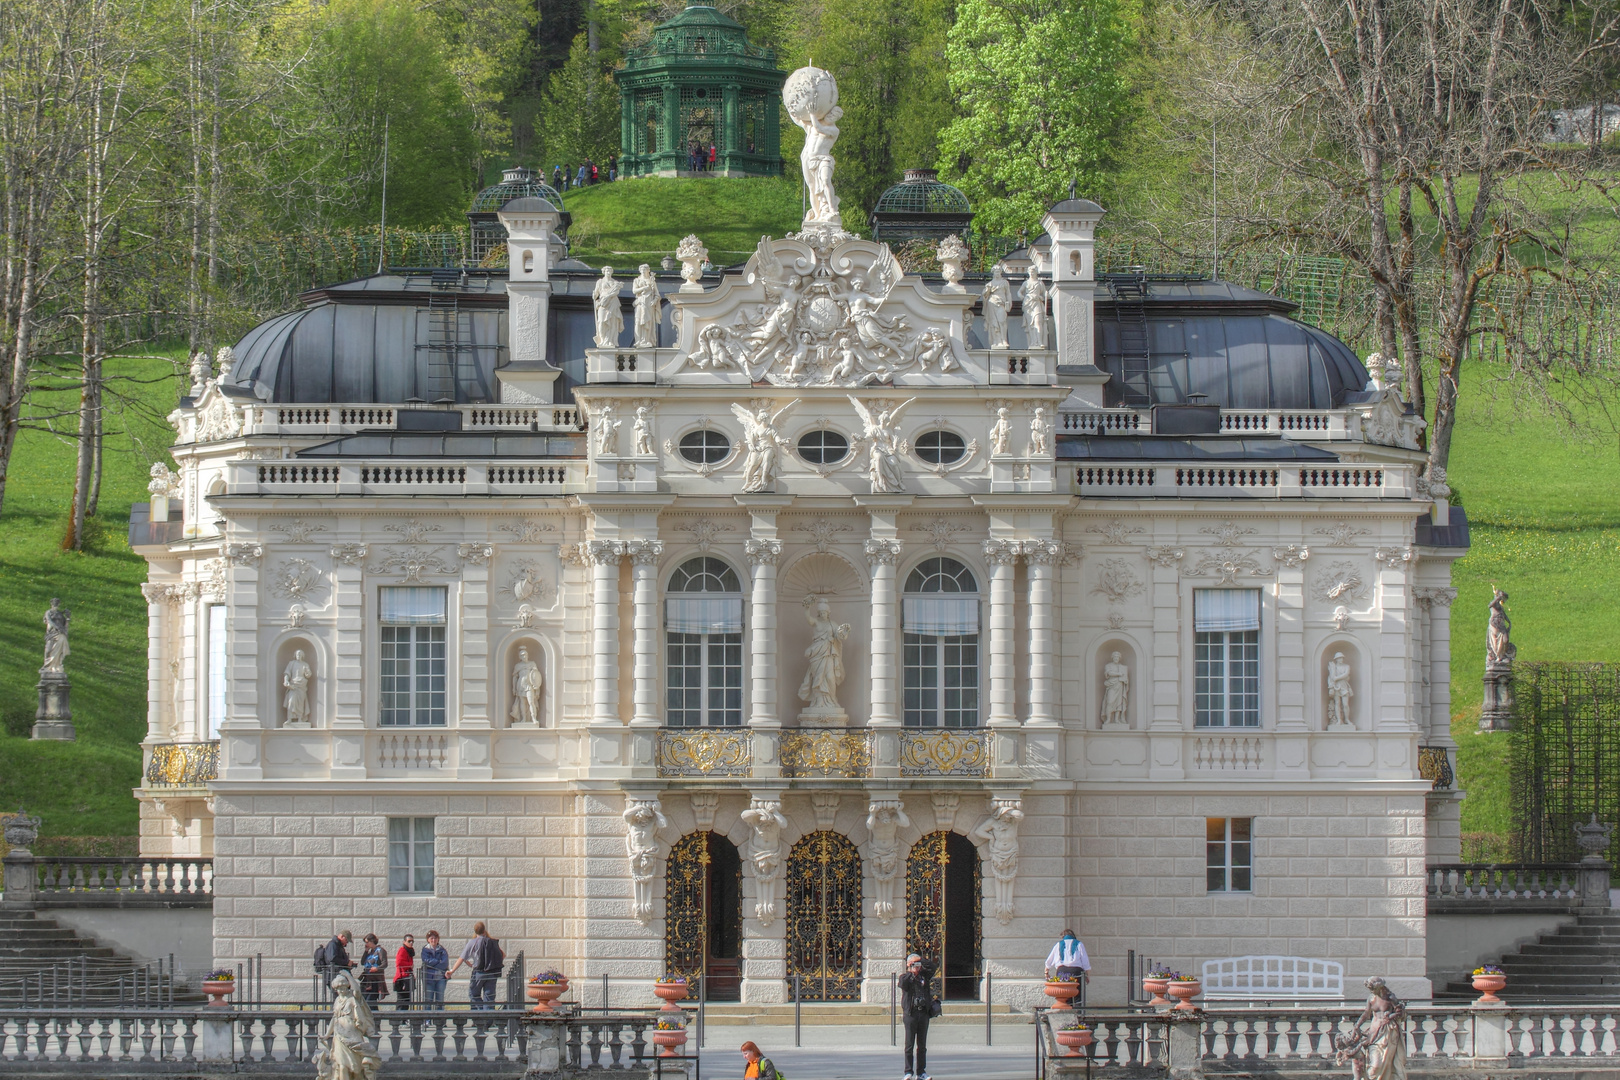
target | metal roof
[
  {"x": 922, "y": 192},
  {"x": 516, "y": 183},
  {"x": 421, "y": 445}
]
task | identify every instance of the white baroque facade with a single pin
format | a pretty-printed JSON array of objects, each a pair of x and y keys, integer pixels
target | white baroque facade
[{"x": 817, "y": 579}]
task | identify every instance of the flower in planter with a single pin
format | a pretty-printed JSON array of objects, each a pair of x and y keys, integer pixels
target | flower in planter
[
  {"x": 1075, "y": 1025},
  {"x": 220, "y": 975},
  {"x": 1180, "y": 978},
  {"x": 671, "y": 1025},
  {"x": 673, "y": 979},
  {"x": 1162, "y": 973},
  {"x": 547, "y": 978},
  {"x": 1489, "y": 969}
]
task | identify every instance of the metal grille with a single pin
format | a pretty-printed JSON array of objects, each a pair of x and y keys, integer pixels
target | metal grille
[
  {"x": 1562, "y": 757},
  {"x": 927, "y": 867},
  {"x": 648, "y": 118},
  {"x": 824, "y": 917},
  {"x": 697, "y": 117},
  {"x": 686, "y": 921}
]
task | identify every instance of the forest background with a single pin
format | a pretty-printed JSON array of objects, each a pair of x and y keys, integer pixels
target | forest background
[{"x": 1420, "y": 174}]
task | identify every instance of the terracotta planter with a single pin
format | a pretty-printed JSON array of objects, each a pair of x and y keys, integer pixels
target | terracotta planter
[
  {"x": 671, "y": 992},
  {"x": 1183, "y": 992},
  {"x": 1156, "y": 988},
  {"x": 218, "y": 991},
  {"x": 1489, "y": 986},
  {"x": 1076, "y": 1039},
  {"x": 669, "y": 1040},
  {"x": 543, "y": 994},
  {"x": 1061, "y": 994}
]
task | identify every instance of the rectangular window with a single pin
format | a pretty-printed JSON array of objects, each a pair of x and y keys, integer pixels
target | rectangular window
[
  {"x": 410, "y": 855},
  {"x": 1227, "y": 854},
  {"x": 941, "y": 680},
  {"x": 217, "y": 659},
  {"x": 703, "y": 679},
  {"x": 1226, "y": 657},
  {"x": 412, "y": 651}
]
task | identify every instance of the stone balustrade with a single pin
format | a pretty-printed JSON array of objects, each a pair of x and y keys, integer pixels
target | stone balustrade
[
  {"x": 394, "y": 476},
  {"x": 352, "y": 419},
  {"x": 1457, "y": 888},
  {"x": 56, "y": 881},
  {"x": 1315, "y": 425},
  {"x": 1192, "y": 480}
]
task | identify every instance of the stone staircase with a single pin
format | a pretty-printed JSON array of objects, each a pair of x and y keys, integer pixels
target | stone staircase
[
  {"x": 1575, "y": 963},
  {"x": 33, "y": 949}
]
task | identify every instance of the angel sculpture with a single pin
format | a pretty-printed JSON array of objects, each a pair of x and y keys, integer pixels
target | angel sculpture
[
  {"x": 783, "y": 290},
  {"x": 883, "y": 445},
  {"x": 879, "y": 337},
  {"x": 762, "y": 441}
]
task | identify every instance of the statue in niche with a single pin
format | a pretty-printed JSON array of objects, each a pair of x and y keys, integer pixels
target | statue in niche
[
  {"x": 764, "y": 816},
  {"x": 1040, "y": 434},
  {"x": 649, "y": 304},
  {"x": 1033, "y": 294},
  {"x": 996, "y": 301},
  {"x": 1338, "y": 692},
  {"x": 56, "y": 638},
  {"x": 607, "y": 431},
  {"x": 1001, "y": 432},
  {"x": 295, "y": 679},
  {"x": 609, "y": 315},
  {"x": 1499, "y": 650},
  {"x": 643, "y": 818},
  {"x": 762, "y": 442},
  {"x": 883, "y": 445},
  {"x": 344, "y": 1046},
  {"x": 641, "y": 431},
  {"x": 825, "y": 674},
  {"x": 811, "y": 98},
  {"x": 526, "y": 685},
  {"x": 1116, "y": 692}
]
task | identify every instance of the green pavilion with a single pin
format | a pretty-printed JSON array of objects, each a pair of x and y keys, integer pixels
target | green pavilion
[{"x": 699, "y": 83}]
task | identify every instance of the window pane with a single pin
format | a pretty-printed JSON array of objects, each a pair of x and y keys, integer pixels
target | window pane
[
  {"x": 1215, "y": 854},
  {"x": 399, "y": 879},
  {"x": 216, "y": 668}
]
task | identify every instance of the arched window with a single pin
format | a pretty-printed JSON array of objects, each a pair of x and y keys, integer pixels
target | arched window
[
  {"x": 703, "y": 645},
  {"x": 940, "y": 620}
]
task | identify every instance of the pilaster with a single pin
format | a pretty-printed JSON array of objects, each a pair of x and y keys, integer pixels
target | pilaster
[
  {"x": 473, "y": 730},
  {"x": 645, "y": 556},
  {"x": 882, "y": 553},
  {"x": 349, "y": 668}
]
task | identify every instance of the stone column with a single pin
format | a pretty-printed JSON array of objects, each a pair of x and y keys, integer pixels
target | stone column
[
  {"x": 605, "y": 556},
  {"x": 1439, "y": 726},
  {"x": 1002, "y": 555},
  {"x": 762, "y": 558},
  {"x": 644, "y": 556},
  {"x": 1042, "y": 557}
]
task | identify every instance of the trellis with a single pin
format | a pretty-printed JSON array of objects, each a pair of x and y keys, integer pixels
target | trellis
[{"x": 1563, "y": 757}]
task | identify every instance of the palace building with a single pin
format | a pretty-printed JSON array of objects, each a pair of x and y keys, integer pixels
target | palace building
[{"x": 775, "y": 621}]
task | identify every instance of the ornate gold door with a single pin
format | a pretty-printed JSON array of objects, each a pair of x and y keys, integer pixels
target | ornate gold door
[
  {"x": 686, "y": 921},
  {"x": 824, "y": 917},
  {"x": 943, "y": 912}
]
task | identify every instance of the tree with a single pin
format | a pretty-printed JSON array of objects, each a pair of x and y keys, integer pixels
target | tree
[
  {"x": 1406, "y": 137},
  {"x": 1039, "y": 87},
  {"x": 579, "y": 112}
]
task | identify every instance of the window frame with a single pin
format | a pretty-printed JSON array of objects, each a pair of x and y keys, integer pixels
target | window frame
[
  {"x": 427, "y": 660},
  {"x": 926, "y": 666},
  {"x": 1228, "y": 856},
  {"x": 721, "y": 704},
  {"x": 818, "y": 455},
  {"x": 705, "y": 434},
  {"x": 413, "y": 845},
  {"x": 928, "y": 443},
  {"x": 1226, "y": 667}
]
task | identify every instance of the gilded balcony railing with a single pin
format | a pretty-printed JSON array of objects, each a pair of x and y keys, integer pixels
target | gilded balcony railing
[
  {"x": 826, "y": 753},
  {"x": 183, "y": 764},
  {"x": 703, "y": 752},
  {"x": 1434, "y": 765},
  {"x": 944, "y": 753}
]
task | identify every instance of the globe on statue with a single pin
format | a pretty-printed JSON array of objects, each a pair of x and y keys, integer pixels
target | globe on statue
[{"x": 809, "y": 91}]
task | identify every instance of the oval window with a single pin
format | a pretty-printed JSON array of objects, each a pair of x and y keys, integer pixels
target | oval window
[
  {"x": 704, "y": 447},
  {"x": 822, "y": 447},
  {"x": 940, "y": 447}
]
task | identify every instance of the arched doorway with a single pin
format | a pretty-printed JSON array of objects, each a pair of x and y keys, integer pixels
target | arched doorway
[
  {"x": 824, "y": 917},
  {"x": 944, "y": 917},
  {"x": 703, "y": 924}
]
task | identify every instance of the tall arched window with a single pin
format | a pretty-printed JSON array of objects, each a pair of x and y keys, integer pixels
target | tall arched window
[
  {"x": 940, "y": 619},
  {"x": 703, "y": 645}
]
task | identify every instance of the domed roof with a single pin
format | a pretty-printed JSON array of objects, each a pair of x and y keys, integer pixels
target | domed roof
[
  {"x": 922, "y": 192},
  {"x": 516, "y": 183}
]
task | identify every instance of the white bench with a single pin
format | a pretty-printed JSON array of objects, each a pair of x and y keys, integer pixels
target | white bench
[{"x": 1269, "y": 978}]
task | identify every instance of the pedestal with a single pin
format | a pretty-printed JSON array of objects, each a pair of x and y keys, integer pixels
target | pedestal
[
  {"x": 823, "y": 718},
  {"x": 1497, "y": 712},
  {"x": 53, "y": 720}
]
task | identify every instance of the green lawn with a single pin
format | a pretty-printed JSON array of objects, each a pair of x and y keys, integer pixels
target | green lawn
[
  {"x": 645, "y": 218},
  {"x": 80, "y": 788}
]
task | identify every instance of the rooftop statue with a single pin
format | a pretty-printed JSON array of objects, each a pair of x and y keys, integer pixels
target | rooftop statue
[{"x": 811, "y": 98}]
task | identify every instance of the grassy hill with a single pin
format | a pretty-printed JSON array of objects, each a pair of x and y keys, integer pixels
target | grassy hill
[{"x": 642, "y": 220}]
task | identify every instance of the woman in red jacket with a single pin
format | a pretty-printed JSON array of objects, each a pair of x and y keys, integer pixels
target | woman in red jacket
[{"x": 404, "y": 967}]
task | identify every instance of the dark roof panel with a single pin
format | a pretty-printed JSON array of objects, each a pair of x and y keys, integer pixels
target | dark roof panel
[{"x": 1174, "y": 448}]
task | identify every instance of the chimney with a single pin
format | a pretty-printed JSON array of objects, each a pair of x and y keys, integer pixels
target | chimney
[
  {"x": 532, "y": 247},
  {"x": 1072, "y": 226}
]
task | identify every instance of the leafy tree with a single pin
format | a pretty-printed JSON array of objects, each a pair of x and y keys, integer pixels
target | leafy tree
[
  {"x": 579, "y": 112},
  {"x": 1041, "y": 91}
]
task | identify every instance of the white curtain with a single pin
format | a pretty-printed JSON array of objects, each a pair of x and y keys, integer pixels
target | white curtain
[
  {"x": 941, "y": 614},
  {"x": 1226, "y": 610},
  {"x": 414, "y": 605},
  {"x": 703, "y": 614}
]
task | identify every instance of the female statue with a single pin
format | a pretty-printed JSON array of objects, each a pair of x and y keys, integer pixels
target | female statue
[
  {"x": 56, "y": 638},
  {"x": 345, "y": 1044},
  {"x": 1376, "y": 1048},
  {"x": 826, "y": 656},
  {"x": 295, "y": 678},
  {"x": 609, "y": 316},
  {"x": 1116, "y": 691},
  {"x": 649, "y": 303},
  {"x": 1034, "y": 296},
  {"x": 997, "y": 301}
]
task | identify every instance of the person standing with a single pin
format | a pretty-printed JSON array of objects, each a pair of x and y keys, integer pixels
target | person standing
[
  {"x": 435, "y": 965},
  {"x": 1068, "y": 962},
  {"x": 916, "y": 1009},
  {"x": 484, "y": 956},
  {"x": 404, "y": 971},
  {"x": 336, "y": 955},
  {"x": 373, "y": 970},
  {"x": 757, "y": 1065}
]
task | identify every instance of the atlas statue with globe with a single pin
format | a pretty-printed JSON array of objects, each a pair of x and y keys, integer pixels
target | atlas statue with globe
[{"x": 811, "y": 97}]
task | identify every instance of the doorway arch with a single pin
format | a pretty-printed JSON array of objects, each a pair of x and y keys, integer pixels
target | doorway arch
[
  {"x": 703, "y": 920},
  {"x": 824, "y": 941},
  {"x": 944, "y": 910}
]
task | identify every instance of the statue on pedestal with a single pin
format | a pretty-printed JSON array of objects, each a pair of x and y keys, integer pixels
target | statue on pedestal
[
  {"x": 1116, "y": 692},
  {"x": 609, "y": 315},
  {"x": 649, "y": 304},
  {"x": 344, "y": 1048},
  {"x": 53, "y": 719},
  {"x": 56, "y": 638},
  {"x": 811, "y": 98},
  {"x": 1033, "y": 294},
  {"x": 296, "y": 679},
  {"x": 526, "y": 684},
  {"x": 826, "y": 671},
  {"x": 1338, "y": 692},
  {"x": 1496, "y": 711},
  {"x": 996, "y": 301}
]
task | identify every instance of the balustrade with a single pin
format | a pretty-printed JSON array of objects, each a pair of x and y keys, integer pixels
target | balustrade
[
  {"x": 413, "y": 750},
  {"x": 84, "y": 880},
  {"x": 389, "y": 477},
  {"x": 704, "y": 752},
  {"x": 1505, "y": 883},
  {"x": 1188, "y": 481}
]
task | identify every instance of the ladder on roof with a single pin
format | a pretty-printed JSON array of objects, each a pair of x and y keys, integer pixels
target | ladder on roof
[
  {"x": 1130, "y": 291},
  {"x": 444, "y": 343}
]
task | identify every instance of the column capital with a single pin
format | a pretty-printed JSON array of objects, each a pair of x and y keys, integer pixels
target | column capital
[
  {"x": 642, "y": 552},
  {"x": 762, "y": 552},
  {"x": 1002, "y": 552},
  {"x": 604, "y": 552},
  {"x": 1043, "y": 552},
  {"x": 882, "y": 552},
  {"x": 1442, "y": 595}
]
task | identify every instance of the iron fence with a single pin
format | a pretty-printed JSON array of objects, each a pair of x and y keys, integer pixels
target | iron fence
[{"x": 1562, "y": 749}]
